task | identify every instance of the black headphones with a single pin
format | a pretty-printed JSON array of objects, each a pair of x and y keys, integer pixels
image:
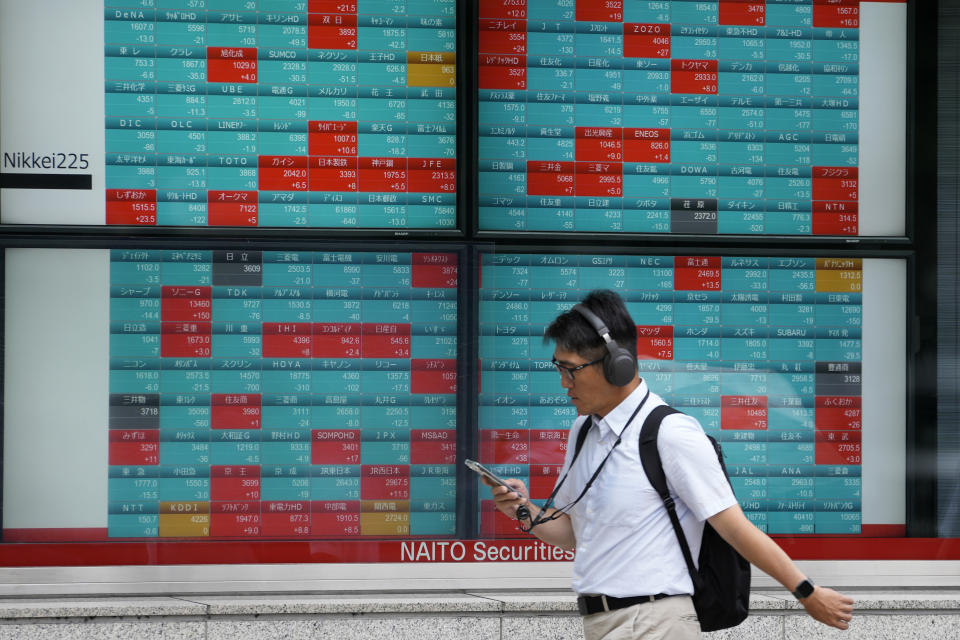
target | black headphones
[{"x": 619, "y": 366}]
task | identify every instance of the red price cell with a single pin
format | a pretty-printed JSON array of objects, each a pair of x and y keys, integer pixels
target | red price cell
[
  {"x": 834, "y": 14},
  {"x": 838, "y": 217},
  {"x": 542, "y": 479},
  {"x": 829, "y": 224},
  {"x": 285, "y": 518},
  {"x": 334, "y": 174},
  {"x": 232, "y": 208},
  {"x": 836, "y": 189},
  {"x": 503, "y": 446},
  {"x": 743, "y": 412},
  {"x": 186, "y": 304},
  {"x": 185, "y": 339},
  {"x": 433, "y": 376},
  {"x": 743, "y": 12},
  {"x": 282, "y": 173},
  {"x": 336, "y": 340},
  {"x": 287, "y": 339},
  {"x": 694, "y": 76},
  {"x": 500, "y": 71},
  {"x": 132, "y": 447},
  {"x": 494, "y": 524},
  {"x": 345, "y": 7},
  {"x": 234, "y": 519},
  {"x": 434, "y": 277},
  {"x": 600, "y": 10},
  {"x": 599, "y": 144},
  {"x": 132, "y": 206},
  {"x": 331, "y": 31},
  {"x": 234, "y": 487},
  {"x": 433, "y": 446},
  {"x": 551, "y": 178},
  {"x": 831, "y": 418},
  {"x": 332, "y": 138},
  {"x": 646, "y": 145},
  {"x": 235, "y": 411},
  {"x": 502, "y": 36},
  {"x": 385, "y": 482},
  {"x": 837, "y": 453},
  {"x": 229, "y": 525},
  {"x": 335, "y": 525},
  {"x": 383, "y": 174},
  {"x": 235, "y": 482},
  {"x": 547, "y": 446},
  {"x": 385, "y": 340},
  {"x": 335, "y": 446},
  {"x": 232, "y": 64},
  {"x": 696, "y": 273},
  {"x": 432, "y": 175},
  {"x": 434, "y": 270},
  {"x": 655, "y": 342},
  {"x": 602, "y": 179},
  {"x": 504, "y": 9},
  {"x": 642, "y": 40},
  {"x": 433, "y": 382}
]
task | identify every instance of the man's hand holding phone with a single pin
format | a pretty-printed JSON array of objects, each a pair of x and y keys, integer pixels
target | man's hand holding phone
[{"x": 509, "y": 495}]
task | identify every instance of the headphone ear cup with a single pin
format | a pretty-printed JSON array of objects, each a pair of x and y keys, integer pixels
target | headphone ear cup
[{"x": 619, "y": 367}]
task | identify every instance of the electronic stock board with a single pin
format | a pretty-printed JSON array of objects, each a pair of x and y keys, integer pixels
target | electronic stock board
[
  {"x": 259, "y": 113},
  {"x": 314, "y": 395},
  {"x": 774, "y": 117},
  {"x": 685, "y": 117},
  {"x": 246, "y": 393}
]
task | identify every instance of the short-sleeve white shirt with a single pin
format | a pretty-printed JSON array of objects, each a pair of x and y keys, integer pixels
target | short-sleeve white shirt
[{"x": 626, "y": 545}]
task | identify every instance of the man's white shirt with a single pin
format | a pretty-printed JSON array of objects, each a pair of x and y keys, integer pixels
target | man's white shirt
[{"x": 626, "y": 545}]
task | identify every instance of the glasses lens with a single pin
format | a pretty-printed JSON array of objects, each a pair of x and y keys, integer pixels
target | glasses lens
[{"x": 565, "y": 372}]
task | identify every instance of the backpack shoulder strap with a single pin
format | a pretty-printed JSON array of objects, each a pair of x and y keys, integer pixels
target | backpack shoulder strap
[
  {"x": 581, "y": 437},
  {"x": 649, "y": 455},
  {"x": 653, "y": 468}
]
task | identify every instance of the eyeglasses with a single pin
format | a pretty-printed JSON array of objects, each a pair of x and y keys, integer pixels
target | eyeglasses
[{"x": 568, "y": 372}]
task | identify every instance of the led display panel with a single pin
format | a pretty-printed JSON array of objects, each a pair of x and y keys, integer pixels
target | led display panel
[
  {"x": 212, "y": 113},
  {"x": 775, "y": 117},
  {"x": 220, "y": 394},
  {"x": 784, "y": 360}
]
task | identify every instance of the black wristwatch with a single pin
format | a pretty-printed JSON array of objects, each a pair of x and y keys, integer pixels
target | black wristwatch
[{"x": 803, "y": 590}]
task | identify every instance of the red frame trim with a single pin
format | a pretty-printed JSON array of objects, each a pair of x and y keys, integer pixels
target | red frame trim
[{"x": 75, "y": 554}]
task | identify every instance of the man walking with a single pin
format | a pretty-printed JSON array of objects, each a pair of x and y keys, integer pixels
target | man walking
[{"x": 629, "y": 571}]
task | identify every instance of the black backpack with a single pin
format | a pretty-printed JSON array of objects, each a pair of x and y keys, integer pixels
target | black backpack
[{"x": 721, "y": 585}]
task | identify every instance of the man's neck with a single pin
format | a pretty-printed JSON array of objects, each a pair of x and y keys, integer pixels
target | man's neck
[{"x": 623, "y": 393}]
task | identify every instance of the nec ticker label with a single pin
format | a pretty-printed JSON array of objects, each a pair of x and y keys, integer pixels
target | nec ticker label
[{"x": 729, "y": 117}]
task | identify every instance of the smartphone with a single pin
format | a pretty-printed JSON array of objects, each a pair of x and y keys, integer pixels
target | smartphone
[{"x": 473, "y": 465}]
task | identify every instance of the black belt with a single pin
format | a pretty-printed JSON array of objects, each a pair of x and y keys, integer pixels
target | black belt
[{"x": 596, "y": 604}]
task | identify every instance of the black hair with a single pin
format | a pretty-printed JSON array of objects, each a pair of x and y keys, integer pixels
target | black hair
[{"x": 572, "y": 332}]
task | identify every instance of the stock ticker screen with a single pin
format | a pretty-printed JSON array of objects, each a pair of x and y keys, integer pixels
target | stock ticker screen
[
  {"x": 281, "y": 113},
  {"x": 282, "y": 394},
  {"x": 279, "y": 394},
  {"x": 764, "y": 352},
  {"x": 669, "y": 116}
]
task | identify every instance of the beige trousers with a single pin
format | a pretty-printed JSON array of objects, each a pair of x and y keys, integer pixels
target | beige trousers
[{"x": 671, "y": 618}]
